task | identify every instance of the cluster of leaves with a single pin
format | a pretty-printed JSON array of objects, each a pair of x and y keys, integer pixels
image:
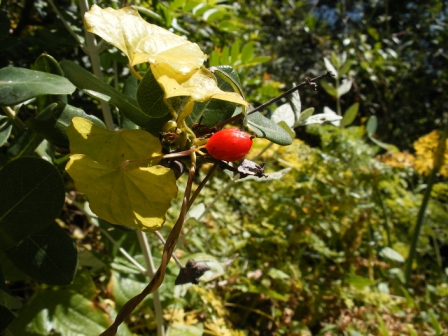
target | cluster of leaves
[{"x": 337, "y": 221}]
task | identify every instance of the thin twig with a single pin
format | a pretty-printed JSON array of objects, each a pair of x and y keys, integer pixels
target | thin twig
[
  {"x": 159, "y": 235},
  {"x": 201, "y": 185},
  {"x": 168, "y": 249},
  {"x": 309, "y": 81},
  {"x": 11, "y": 114}
]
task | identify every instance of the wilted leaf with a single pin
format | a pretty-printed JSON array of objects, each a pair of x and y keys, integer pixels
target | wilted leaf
[{"x": 142, "y": 41}]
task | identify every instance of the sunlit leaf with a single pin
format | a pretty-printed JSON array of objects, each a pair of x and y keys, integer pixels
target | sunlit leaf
[
  {"x": 111, "y": 148},
  {"x": 344, "y": 87},
  {"x": 328, "y": 116},
  {"x": 131, "y": 194},
  {"x": 137, "y": 198},
  {"x": 142, "y": 41},
  {"x": 201, "y": 86}
]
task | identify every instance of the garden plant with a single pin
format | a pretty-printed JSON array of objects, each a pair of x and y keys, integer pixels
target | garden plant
[{"x": 149, "y": 152}]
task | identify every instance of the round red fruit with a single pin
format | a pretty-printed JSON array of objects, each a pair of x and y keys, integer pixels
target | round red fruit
[{"x": 229, "y": 144}]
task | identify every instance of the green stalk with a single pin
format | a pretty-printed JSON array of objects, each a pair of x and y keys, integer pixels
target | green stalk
[{"x": 438, "y": 162}]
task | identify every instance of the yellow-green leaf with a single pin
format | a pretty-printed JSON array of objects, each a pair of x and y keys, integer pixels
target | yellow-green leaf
[
  {"x": 111, "y": 148},
  {"x": 137, "y": 198},
  {"x": 201, "y": 86},
  {"x": 142, "y": 41},
  {"x": 135, "y": 194}
]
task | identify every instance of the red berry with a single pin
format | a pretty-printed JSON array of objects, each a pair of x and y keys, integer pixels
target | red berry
[{"x": 229, "y": 144}]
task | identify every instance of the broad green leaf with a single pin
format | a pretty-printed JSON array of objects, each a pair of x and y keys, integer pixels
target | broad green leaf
[
  {"x": 5, "y": 129},
  {"x": 48, "y": 64},
  {"x": 136, "y": 197},
  {"x": 48, "y": 256},
  {"x": 9, "y": 301},
  {"x": 96, "y": 88},
  {"x": 112, "y": 148},
  {"x": 266, "y": 128},
  {"x": 18, "y": 85},
  {"x": 31, "y": 196},
  {"x": 150, "y": 97},
  {"x": 52, "y": 122},
  {"x": 350, "y": 115},
  {"x": 62, "y": 312},
  {"x": 142, "y": 41}
]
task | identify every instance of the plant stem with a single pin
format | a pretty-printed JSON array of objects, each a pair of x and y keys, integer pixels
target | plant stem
[
  {"x": 92, "y": 50},
  {"x": 158, "y": 234},
  {"x": 438, "y": 162},
  {"x": 11, "y": 114},
  {"x": 151, "y": 270},
  {"x": 309, "y": 81}
]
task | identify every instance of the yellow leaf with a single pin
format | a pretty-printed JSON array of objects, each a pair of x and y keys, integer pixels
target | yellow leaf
[
  {"x": 201, "y": 86},
  {"x": 137, "y": 198},
  {"x": 142, "y": 41},
  {"x": 111, "y": 148}
]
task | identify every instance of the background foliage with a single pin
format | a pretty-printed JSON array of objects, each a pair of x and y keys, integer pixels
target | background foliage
[{"x": 321, "y": 250}]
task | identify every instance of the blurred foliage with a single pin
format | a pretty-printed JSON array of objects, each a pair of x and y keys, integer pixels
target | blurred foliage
[{"x": 318, "y": 252}]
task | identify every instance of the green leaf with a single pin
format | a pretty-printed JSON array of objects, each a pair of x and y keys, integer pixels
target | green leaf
[
  {"x": 329, "y": 88},
  {"x": 5, "y": 129},
  {"x": 48, "y": 64},
  {"x": 53, "y": 121},
  {"x": 48, "y": 256},
  {"x": 228, "y": 74},
  {"x": 247, "y": 52},
  {"x": 266, "y": 128},
  {"x": 372, "y": 125},
  {"x": 18, "y": 85},
  {"x": 305, "y": 115},
  {"x": 6, "y": 317},
  {"x": 390, "y": 254},
  {"x": 150, "y": 97},
  {"x": 96, "y": 88},
  {"x": 382, "y": 326},
  {"x": 31, "y": 196},
  {"x": 62, "y": 312},
  {"x": 24, "y": 144},
  {"x": 350, "y": 115}
]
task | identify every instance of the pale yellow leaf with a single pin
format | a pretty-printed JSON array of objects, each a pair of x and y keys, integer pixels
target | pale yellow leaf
[
  {"x": 141, "y": 41},
  {"x": 137, "y": 198}
]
